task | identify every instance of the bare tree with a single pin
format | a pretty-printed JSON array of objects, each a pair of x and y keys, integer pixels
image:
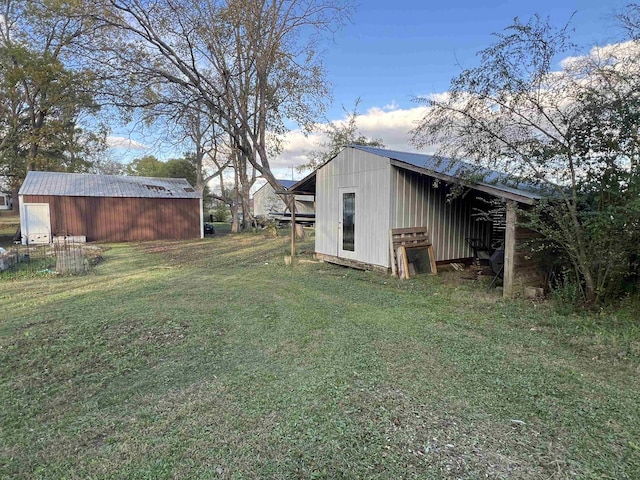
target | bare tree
[{"x": 254, "y": 65}]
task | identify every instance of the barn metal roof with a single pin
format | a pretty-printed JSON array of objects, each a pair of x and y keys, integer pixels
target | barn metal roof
[
  {"x": 493, "y": 181},
  {"x": 91, "y": 185}
]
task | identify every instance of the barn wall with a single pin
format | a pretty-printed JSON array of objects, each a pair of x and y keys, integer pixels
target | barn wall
[
  {"x": 370, "y": 174},
  {"x": 111, "y": 219},
  {"x": 417, "y": 201}
]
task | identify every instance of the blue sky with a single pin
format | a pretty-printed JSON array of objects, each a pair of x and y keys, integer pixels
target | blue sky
[{"x": 394, "y": 50}]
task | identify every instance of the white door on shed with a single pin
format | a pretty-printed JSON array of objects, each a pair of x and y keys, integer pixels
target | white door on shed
[
  {"x": 37, "y": 223},
  {"x": 347, "y": 231}
]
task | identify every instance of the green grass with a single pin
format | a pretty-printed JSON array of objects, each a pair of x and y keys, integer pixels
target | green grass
[
  {"x": 9, "y": 223},
  {"x": 212, "y": 359}
]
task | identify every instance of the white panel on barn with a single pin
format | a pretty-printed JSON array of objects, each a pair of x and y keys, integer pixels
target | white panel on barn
[{"x": 36, "y": 228}]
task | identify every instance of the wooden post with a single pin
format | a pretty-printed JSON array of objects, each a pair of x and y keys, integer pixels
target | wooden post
[
  {"x": 293, "y": 225},
  {"x": 509, "y": 250}
]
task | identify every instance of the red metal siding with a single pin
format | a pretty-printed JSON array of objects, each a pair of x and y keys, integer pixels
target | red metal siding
[{"x": 112, "y": 219}]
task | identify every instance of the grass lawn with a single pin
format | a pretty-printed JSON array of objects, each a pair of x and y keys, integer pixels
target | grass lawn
[
  {"x": 212, "y": 359},
  {"x": 9, "y": 223}
]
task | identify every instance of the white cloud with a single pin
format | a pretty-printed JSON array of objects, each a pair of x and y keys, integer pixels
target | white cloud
[
  {"x": 600, "y": 54},
  {"x": 391, "y": 106},
  {"x": 392, "y": 127},
  {"x": 388, "y": 123},
  {"x": 124, "y": 143}
]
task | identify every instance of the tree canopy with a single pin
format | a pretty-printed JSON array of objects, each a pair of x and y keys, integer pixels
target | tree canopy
[
  {"x": 572, "y": 130},
  {"x": 46, "y": 104},
  {"x": 251, "y": 67},
  {"x": 338, "y": 135},
  {"x": 150, "y": 166}
]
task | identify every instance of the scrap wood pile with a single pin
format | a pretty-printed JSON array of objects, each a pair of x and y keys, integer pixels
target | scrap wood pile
[{"x": 411, "y": 252}]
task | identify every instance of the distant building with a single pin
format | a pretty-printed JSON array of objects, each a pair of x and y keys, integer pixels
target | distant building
[
  {"x": 108, "y": 208},
  {"x": 267, "y": 202},
  {"x": 5, "y": 201}
]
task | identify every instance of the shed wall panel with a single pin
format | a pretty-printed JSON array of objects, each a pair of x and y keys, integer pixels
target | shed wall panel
[
  {"x": 266, "y": 200},
  {"x": 417, "y": 200},
  {"x": 118, "y": 219},
  {"x": 370, "y": 174}
]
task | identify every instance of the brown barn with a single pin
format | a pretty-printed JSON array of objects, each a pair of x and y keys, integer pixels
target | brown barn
[{"x": 108, "y": 208}]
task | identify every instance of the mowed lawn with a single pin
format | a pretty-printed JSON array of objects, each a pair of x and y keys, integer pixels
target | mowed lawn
[{"x": 212, "y": 359}]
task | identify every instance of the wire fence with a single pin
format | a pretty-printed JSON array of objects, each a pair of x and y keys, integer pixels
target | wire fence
[{"x": 62, "y": 257}]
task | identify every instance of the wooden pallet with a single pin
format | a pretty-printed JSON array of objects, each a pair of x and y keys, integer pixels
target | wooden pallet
[{"x": 411, "y": 242}]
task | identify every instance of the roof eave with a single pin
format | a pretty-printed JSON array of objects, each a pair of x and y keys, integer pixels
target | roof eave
[{"x": 497, "y": 192}]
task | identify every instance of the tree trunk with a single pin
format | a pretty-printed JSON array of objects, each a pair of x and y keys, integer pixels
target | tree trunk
[
  {"x": 15, "y": 200},
  {"x": 589, "y": 285},
  {"x": 235, "y": 221}
]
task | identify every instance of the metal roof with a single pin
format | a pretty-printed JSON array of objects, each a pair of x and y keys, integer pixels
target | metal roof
[
  {"x": 287, "y": 183},
  {"x": 91, "y": 185},
  {"x": 493, "y": 181}
]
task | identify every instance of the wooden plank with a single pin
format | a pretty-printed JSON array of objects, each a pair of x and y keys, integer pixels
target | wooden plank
[
  {"x": 402, "y": 231},
  {"x": 432, "y": 258},
  {"x": 409, "y": 236},
  {"x": 413, "y": 243},
  {"x": 403, "y": 265},
  {"x": 350, "y": 263}
]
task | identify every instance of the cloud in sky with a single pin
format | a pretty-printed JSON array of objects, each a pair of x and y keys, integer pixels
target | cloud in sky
[
  {"x": 602, "y": 53},
  {"x": 392, "y": 124},
  {"x": 124, "y": 143},
  {"x": 388, "y": 123}
]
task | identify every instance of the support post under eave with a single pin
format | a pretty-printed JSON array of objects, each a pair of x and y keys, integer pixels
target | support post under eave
[
  {"x": 293, "y": 226},
  {"x": 509, "y": 250}
]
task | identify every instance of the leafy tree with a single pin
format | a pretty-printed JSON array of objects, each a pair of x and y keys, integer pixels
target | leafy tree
[
  {"x": 43, "y": 101},
  {"x": 573, "y": 131},
  {"x": 150, "y": 166},
  {"x": 339, "y": 134},
  {"x": 220, "y": 211},
  {"x": 147, "y": 166},
  {"x": 181, "y": 168}
]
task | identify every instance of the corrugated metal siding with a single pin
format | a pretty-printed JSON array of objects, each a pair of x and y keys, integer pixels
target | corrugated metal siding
[
  {"x": 106, "y": 219},
  {"x": 416, "y": 201},
  {"x": 370, "y": 174}
]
